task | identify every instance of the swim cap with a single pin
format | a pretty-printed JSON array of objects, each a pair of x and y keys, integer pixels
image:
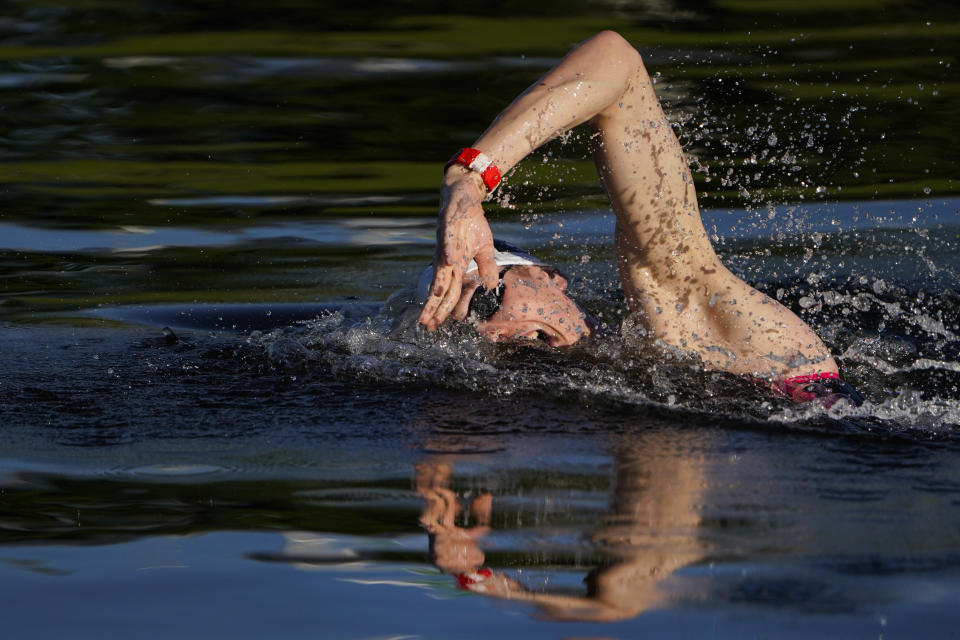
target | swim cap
[{"x": 504, "y": 254}]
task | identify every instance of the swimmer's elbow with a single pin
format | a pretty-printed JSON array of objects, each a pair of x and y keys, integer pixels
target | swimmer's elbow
[
  {"x": 610, "y": 38},
  {"x": 617, "y": 46}
]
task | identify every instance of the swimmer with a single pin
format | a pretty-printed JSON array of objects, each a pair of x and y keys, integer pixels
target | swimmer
[{"x": 675, "y": 286}]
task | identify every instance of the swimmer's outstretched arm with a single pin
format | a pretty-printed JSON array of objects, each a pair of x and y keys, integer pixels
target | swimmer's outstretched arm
[
  {"x": 590, "y": 79},
  {"x": 676, "y": 286}
]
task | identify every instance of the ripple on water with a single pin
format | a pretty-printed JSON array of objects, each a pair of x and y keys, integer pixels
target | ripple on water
[
  {"x": 355, "y": 496},
  {"x": 172, "y": 471}
]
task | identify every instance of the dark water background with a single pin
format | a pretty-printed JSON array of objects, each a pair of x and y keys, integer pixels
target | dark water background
[{"x": 260, "y": 178}]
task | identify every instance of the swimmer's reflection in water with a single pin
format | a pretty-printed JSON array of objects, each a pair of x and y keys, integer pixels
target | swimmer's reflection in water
[
  {"x": 651, "y": 532},
  {"x": 676, "y": 288}
]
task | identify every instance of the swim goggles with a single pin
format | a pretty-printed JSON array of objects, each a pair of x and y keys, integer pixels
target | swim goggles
[{"x": 486, "y": 302}]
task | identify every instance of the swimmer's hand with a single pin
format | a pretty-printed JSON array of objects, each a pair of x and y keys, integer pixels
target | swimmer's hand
[{"x": 463, "y": 234}]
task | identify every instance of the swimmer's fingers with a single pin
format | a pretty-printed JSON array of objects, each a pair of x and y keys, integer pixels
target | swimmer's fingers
[
  {"x": 450, "y": 297},
  {"x": 463, "y": 304},
  {"x": 443, "y": 297},
  {"x": 487, "y": 266},
  {"x": 434, "y": 296}
]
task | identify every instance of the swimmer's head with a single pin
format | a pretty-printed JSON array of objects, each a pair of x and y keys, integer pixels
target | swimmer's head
[
  {"x": 529, "y": 302},
  {"x": 535, "y": 306}
]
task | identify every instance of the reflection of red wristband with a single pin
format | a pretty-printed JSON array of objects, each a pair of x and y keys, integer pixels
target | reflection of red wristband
[
  {"x": 476, "y": 160},
  {"x": 466, "y": 579}
]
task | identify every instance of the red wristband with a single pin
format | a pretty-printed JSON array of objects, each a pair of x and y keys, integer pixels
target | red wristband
[
  {"x": 465, "y": 580},
  {"x": 476, "y": 160}
]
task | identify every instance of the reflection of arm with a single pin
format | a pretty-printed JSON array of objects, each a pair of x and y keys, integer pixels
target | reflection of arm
[
  {"x": 453, "y": 549},
  {"x": 565, "y": 608},
  {"x": 651, "y": 533}
]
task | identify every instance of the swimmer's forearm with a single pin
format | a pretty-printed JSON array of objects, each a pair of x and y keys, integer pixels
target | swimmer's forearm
[{"x": 590, "y": 79}]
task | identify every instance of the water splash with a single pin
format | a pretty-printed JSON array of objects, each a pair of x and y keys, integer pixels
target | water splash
[{"x": 910, "y": 392}]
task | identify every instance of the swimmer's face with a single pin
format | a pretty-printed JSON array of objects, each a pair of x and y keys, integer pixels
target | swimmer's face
[{"x": 534, "y": 307}]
